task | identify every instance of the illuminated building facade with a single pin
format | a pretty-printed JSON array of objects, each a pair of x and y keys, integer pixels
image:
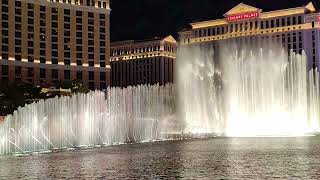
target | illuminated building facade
[
  {"x": 296, "y": 29},
  {"x": 149, "y": 61},
  {"x": 47, "y": 41}
]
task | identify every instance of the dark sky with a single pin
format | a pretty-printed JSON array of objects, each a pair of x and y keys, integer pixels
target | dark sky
[{"x": 140, "y": 19}]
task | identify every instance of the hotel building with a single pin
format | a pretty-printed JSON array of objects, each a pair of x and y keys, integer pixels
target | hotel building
[
  {"x": 47, "y": 41},
  {"x": 150, "y": 61},
  {"x": 296, "y": 28}
]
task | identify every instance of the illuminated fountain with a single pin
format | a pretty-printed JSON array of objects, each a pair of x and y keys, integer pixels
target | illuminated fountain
[
  {"x": 247, "y": 91},
  {"x": 134, "y": 114}
]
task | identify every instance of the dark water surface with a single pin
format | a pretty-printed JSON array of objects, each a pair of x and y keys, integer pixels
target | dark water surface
[{"x": 221, "y": 158}]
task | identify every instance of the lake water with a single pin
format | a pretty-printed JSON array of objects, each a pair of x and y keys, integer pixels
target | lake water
[{"x": 219, "y": 158}]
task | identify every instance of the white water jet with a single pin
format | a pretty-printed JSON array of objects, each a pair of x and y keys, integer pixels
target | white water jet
[
  {"x": 134, "y": 114},
  {"x": 244, "y": 90}
]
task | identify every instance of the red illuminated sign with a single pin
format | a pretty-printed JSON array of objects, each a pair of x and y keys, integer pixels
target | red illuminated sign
[{"x": 243, "y": 16}]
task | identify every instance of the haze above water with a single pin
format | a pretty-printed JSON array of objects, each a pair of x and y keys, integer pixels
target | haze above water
[{"x": 243, "y": 90}]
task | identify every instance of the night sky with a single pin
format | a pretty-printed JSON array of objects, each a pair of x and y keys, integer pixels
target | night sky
[{"x": 140, "y": 19}]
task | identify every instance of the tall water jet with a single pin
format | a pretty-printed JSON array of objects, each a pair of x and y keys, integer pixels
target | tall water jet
[
  {"x": 314, "y": 99},
  {"x": 245, "y": 90},
  {"x": 198, "y": 87}
]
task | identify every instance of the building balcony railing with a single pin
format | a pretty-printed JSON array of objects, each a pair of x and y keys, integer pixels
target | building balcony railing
[
  {"x": 143, "y": 55},
  {"x": 253, "y": 32},
  {"x": 104, "y": 4}
]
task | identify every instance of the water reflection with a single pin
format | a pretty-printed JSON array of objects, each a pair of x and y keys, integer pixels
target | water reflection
[{"x": 220, "y": 158}]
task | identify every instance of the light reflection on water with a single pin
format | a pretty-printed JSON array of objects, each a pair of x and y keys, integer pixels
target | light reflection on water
[{"x": 219, "y": 158}]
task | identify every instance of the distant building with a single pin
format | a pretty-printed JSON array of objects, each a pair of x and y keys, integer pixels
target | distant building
[
  {"x": 296, "y": 28},
  {"x": 52, "y": 92},
  {"x": 47, "y": 41},
  {"x": 150, "y": 61}
]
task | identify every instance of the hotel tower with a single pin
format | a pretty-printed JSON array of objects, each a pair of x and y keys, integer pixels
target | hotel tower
[
  {"x": 47, "y": 41},
  {"x": 296, "y": 29},
  {"x": 149, "y": 61}
]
